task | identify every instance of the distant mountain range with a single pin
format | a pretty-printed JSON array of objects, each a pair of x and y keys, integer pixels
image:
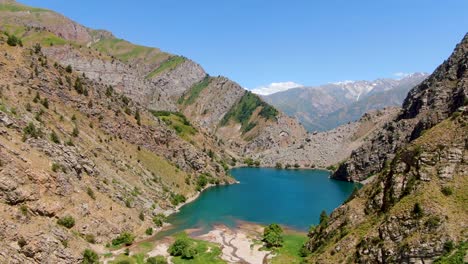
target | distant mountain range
[{"x": 328, "y": 106}]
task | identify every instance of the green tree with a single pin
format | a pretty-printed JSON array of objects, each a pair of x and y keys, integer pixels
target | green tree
[
  {"x": 183, "y": 247},
  {"x": 272, "y": 236},
  {"x": 69, "y": 68},
  {"x": 138, "y": 117},
  {"x": 323, "y": 217}
]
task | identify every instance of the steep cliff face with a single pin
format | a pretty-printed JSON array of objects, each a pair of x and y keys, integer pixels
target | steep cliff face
[
  {"x": 71, "y": 146},
  {"x": 432, "y": 101},
  {"x": 327, "y": 149},
  {"x": 411, "y": 212}
]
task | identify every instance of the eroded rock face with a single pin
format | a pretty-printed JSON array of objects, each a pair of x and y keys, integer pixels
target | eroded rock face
[
  {"x": 324, "y": 149},
  {"x": 435, "y": 99}
]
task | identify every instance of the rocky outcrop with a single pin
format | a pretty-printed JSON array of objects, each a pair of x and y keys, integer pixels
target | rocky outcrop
[
  {"x": 325, "y": 149},
  {"x": 435, "y": 99},
  {"x": 409, "y": 213}
]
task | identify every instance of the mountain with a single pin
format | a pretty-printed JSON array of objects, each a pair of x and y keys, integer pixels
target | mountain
[
  {"x": 155, "y": 79},
  {"x": 328, "y": 106},
  {"x": 99, "y": 136},
  {"x": 413, "y": 209}
]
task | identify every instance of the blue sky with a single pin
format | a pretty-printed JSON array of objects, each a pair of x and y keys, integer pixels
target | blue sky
[{"x": 310, "y": 42}]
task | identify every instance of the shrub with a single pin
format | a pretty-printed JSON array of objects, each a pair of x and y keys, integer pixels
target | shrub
[
  {"x": 249, "y": 161},
  {"x": 149, "y": 231},
  {"x": 14, "y": 41},
  {"x": 66, "y": 221},
  {"x": 75, "y": 132},
  {"x": 304, "y": 251},
  {"x": 37, "y": 48},
  {"x": 90, "y": 238},
  {"x": 159, "y": 219},
  {"x": 22, "y": 242},
  {"x": 141, "y": 216},
  {"x": 447, "y": 191},
  {"x": 201, "y": 182},
  {"x": 138, "y": 117},
  {"x": 418, "y": 211},
  {"x": 45, "y": 103},
  {"x": 323, "y": 218},
  {"x": 125, "y": 238},
  {"x": 55, "y": 167},
  {"x": 296, "y": 165},
  {"x": 30, "y": 130},
  {"x": 278, "y": 165},
  {"x": 54, "y": 138},
  {"x": 69, "y": 68},
  {"x": 156, "y": 260},
  {"x": 177, "y": 199},
  {"x": 272, "y": 236},
  {"x": 90, "y": 192},
  {"x": 90, "y": 257},
  {"x": 432, "y": 222}
]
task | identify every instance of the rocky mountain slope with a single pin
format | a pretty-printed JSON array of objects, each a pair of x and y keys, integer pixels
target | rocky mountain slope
[
  {"x": 75, "y": 152},
  {"x": 329, "y": 106},
  {"x": 413, "y": 210},
  {"x": 434, "y": 100},
  {"x": 327, "y": 149},
  {"x": 155, "y": 79}
]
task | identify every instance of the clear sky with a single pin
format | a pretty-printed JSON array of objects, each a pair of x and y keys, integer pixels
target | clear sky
[{"x": 310, "y": 42}]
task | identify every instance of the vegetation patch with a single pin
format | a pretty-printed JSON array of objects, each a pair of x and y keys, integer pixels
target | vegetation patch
[
  {"x": 167, "y": 65},
  {"x": 195, "y": 91},
  {"x": 188, "y": 250},
  {"x": 178, "y": 122},
  {"x": 243, "y": 110}
]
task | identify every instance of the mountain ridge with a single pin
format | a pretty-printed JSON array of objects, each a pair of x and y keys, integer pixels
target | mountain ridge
[{"x": 330, "y": 105}]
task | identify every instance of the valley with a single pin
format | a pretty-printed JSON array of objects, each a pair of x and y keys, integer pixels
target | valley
[{"x": 113, "y": 152}]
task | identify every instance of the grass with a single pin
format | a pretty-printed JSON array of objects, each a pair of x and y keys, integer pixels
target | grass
[
  {"x": 19, "y": 8},
  {"x": 244, "y": 109},
  {"x": 126, "y": 51},
  {"x": 178, "y": 122},
  {"x": 289, "y": 252},
  {"x": 207, "y": 252},
  {"x": 167, "y": 65},
  {"x": 161, "y": 167},
  {"x": 133, "y": 259},
  {"x": 195, "y": 91}
]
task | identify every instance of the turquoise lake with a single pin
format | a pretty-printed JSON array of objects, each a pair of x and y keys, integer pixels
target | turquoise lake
[{"x": 292, "y": 198}]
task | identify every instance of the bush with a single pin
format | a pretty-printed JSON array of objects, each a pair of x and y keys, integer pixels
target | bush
[
  {"x": 14, "y": 41},
  {"x": 249, "y": 162},
  {"x": 54, "y": 137},
  {"x": 125, "y": 238},
  {"x": 75, "y": 132},
  {"x": 447, "y": 191},
  {"x": 149, "y": 231},
  {"x": 418, "y": 211},
  {"x": 159, "y": 219},
  {"x": 177, "y": 199},
  {"x": 90, "y": 238},
  {"x": 69, "y": 68},
  {"x": 90, "y": 257},
  {"x": 30, "y": 130},
  {"x": 272, "y": 236},
  {"x": 278, "y": 165},
  {"x": 90, "y": 192},
  {"x": 323, "y": 217},
  {"x": 156, "y": 260},
  {"x": 184, "y": 248},
  {"x": 201, "y": 182},
  {"x": 66, "y": 221}
]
